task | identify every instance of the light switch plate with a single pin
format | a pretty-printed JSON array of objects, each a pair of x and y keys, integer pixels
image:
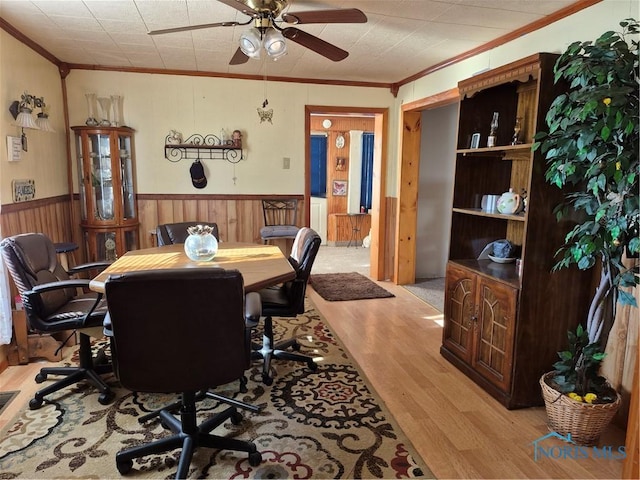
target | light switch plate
[{"x": 286, "y": 163}]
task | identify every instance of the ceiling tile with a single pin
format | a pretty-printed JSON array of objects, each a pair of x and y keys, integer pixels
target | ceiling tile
[{"x": 401, "y": 37}]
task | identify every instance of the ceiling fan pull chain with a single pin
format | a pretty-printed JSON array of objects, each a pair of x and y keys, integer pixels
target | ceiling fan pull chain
[{"x": 265, "y": 115}]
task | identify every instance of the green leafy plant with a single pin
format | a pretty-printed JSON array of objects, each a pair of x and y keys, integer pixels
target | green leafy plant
[
  {"x": 577, "y": 370},
  {"x": 591, "y": 147}
]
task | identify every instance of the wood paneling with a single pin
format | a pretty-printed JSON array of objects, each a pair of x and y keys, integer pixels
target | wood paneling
[
  {"x": 239, "y": 218},
  {"x": 341, "y": 228},
  {"x": 51, "y": 216}
]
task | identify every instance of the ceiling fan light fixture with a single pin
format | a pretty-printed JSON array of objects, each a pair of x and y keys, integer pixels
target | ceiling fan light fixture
[
  {"x": 274, "y": 44},
  {"x": 251, "y": 43}
]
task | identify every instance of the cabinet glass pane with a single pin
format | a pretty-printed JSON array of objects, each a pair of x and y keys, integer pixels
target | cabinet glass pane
[
  {"x": 101, "y": 176},
  {"x": 131, "y": 240},
  {"x": 126, "y": 170},
  {"x": 81, "y": 184},
  {"x": 106, "y": 246}
]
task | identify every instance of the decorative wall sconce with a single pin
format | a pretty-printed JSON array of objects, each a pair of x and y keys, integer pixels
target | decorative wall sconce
[{"x": 22, "y": 112}]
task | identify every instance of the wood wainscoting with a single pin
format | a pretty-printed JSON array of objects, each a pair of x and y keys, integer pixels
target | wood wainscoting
[
  {"x": 239, "y": 217},
  {"x": 346, "y": 229},
  {"x": 51, "y": 216}
]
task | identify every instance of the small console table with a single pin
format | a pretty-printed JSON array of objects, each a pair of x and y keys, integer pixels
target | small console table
[
  {"x": 346, "y": 229},
  {"x": 355, "y": 219}
]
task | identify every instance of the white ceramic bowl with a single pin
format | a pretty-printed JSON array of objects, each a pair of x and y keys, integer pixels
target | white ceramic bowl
[{"x": 502, "y": 260}]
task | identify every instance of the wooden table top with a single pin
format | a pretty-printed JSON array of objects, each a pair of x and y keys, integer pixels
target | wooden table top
[{"x": 261, "y": 265}]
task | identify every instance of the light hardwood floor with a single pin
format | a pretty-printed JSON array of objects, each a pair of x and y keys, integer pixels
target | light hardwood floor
[{"x": 458, "y": 429}]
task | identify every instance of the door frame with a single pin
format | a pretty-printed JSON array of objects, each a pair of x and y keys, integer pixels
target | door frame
[
  {"x": 404, "y": 272},
  {"x": 378, "y": 208}
]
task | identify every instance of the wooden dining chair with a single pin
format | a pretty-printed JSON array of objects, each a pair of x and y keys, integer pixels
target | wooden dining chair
[{"x": 280, "y": 218}]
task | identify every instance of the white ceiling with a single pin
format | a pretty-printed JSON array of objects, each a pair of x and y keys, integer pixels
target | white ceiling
[{"x": 400, "y": 39}]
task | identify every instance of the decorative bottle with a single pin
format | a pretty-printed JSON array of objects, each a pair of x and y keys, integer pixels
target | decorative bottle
[{"x": 491, "y": 140}]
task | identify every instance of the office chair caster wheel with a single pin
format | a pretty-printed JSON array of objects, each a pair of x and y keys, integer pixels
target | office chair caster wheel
[
  {"x": 255, "y": 459},
  {"x": 295, "y": 347},
  {"x": 35, "y": 403},
  {"x": 266, "y": 379},
  {"x": 313, "y": 366},
  {"x": 236, "y": 418},
  {"x": 41, "y": 377},
  {"x": 124, "y": 466},
  {"x": 106, "y": 398}
]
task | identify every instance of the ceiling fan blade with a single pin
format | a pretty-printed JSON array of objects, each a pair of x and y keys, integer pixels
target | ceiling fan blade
[
  {"x": 238, "y": 5},
  {"x": 314, "y": 43},
  {"x": 196, "y": 27},
  {"x": 347, "y": 15},
  {"x": 238, "y": 58}
]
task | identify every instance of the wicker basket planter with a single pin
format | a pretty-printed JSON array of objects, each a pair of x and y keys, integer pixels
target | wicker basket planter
[{"x": 585, "y": 422}]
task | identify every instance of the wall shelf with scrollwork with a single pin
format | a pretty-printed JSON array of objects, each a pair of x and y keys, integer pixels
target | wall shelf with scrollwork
[{"x": 203, "y": 147}]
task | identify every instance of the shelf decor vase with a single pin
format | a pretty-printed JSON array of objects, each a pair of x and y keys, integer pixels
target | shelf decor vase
[
  {"x": 201, "y": 245},
  {"x": 117, "y": 103},
  {"x": 92, "y": 107},
  {"x": 105, "y": 111}
]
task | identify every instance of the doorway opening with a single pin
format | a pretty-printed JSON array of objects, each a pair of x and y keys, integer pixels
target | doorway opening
[{"x": 338, "y": 125}]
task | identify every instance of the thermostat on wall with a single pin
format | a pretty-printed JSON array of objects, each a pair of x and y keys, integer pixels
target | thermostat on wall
[{"x": 14, "y": 149}]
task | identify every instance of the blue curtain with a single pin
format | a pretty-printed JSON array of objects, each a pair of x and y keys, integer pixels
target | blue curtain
[
  {"x": 318, "y": 166},
  {"x": 366, "y": 190}
]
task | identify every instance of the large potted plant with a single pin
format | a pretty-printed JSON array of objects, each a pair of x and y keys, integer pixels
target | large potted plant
[{"x": 591, "y": 149}]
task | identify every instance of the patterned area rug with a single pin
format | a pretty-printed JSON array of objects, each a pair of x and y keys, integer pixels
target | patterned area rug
[
  {"x": 337, "y": 287},
  {"x": 325, "y": 424}
]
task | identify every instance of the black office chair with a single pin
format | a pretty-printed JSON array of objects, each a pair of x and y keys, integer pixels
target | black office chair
[
  {"x": 181, "y": 331},
  {"x": 280, "y": 217},
  {"x": 52, "y": 304},
  {"x": 287, "y": 300},
  {"x": 171, "y": 233}
]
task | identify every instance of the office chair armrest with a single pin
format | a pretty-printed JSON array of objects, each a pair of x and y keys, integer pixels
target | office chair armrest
[
  {"x": 252, "y": 309},
  {"x": 32, "y": 298},
  {"x": 47, "y": 287},
  {"x": 88, "y": 266},
  {"x": 106, "y": 326}
]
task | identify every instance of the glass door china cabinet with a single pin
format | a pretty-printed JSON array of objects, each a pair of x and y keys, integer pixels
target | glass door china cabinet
[{"x": 106, "y": 182}]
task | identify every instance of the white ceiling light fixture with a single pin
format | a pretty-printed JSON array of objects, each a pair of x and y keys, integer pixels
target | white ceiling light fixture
[
  {"x": 251, "y": 43},
  {"x": 274, "y": 44}
]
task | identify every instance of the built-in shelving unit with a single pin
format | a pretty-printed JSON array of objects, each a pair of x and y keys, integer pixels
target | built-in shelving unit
[
  {"x": 204, "y": 147},
  {"x": 505, "y": 322}
]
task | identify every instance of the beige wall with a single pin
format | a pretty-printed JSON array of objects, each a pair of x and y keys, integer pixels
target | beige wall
[
  {"x": 46, "y": 162},
  {"x": 155, "y": 104},
  {"x": 587, "y": 24}
]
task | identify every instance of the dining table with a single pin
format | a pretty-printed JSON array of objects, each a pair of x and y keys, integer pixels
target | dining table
[{"x": 261, "y": 265}]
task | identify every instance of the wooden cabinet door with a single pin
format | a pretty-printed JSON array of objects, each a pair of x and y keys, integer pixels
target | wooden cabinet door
[
  {"x": 493, "y": 350},
  {"x": 457, "y": 334}
]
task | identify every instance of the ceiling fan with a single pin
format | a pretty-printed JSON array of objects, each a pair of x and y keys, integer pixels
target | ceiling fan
[{"x": 267, "y": 34}]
